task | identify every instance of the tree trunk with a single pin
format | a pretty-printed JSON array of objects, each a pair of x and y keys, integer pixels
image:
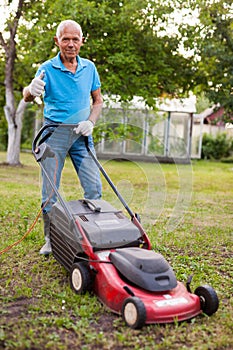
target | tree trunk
[
  {"x": 14, "y": 132},
  {"x": 14, "y": 116}
]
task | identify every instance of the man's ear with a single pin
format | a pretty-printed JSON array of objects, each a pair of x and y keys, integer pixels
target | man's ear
[
  {"x": 83, "y": 40},
  {"x": 55, "y": 40}
]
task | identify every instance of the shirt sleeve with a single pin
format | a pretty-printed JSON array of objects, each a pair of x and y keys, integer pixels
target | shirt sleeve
[{"x": 96, "y": 84}]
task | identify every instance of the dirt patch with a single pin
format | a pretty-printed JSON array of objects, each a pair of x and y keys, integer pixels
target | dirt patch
[{"x": 17, "y": 308}]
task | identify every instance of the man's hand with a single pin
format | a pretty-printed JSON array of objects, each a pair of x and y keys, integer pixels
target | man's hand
[
  {"x": 36, "y": 88},
  {"x": 85, "y": 128}
]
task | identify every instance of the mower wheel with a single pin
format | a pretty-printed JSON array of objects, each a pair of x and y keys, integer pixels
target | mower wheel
[
  {"x": 134, "y": 312},
  {"x": 208, "y": 298},
  {"x": 80, "y": 278}
]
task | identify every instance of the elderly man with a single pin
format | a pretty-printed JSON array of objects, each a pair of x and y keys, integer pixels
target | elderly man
[{"x": 68, "y": 83}]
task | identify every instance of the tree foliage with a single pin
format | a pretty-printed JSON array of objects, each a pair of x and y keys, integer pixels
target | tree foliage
[
  {"x": 121, "y": 38},
  {"x": 133, "y": 46},
  {"x": 212, "y": 44}
]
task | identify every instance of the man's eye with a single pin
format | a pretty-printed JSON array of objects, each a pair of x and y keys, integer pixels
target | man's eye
[{"x": 66, "y": 40}]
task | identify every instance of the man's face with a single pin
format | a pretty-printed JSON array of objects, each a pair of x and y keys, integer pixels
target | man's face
[{"x": 69, "y": 42}]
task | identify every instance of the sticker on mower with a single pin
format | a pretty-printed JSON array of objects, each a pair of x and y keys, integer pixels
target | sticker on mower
[
  {"x": 171, "y": 302},
  {"x": 107, "y": 222}
]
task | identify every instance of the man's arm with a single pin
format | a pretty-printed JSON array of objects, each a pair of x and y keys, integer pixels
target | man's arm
[
  {"x": 27, "y": 96},
  {"x": 86, "y": 127},
  {"x": 97, "y": 104}
]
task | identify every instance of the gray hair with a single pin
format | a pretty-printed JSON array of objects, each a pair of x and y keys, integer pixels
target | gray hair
[{"x": 65, "y": 23}]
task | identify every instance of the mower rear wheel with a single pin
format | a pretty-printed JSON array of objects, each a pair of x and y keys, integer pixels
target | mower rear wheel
[
  {"x": 134, "y": 312},
  {"x": 80, "y": 278},
  {"x": 208, "y": 298}
]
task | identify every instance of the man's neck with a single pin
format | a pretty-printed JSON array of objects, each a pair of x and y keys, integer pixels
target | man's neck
[{"x": 70, "y": 64}]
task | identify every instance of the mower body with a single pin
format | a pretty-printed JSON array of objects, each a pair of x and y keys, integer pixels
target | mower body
[
  {"x": 121, "y": 263},
  {"x": 110, "y": 254}
]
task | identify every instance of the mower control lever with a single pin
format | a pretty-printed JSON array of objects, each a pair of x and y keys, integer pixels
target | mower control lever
[
  {"x": 42, "y": 152},
  {"x": 92, "y": 205}
]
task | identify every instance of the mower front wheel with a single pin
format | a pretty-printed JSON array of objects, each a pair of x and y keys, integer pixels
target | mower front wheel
[
  {"x": 80, "y": 278},
  {"x": 134, "y": 312},
  {"x": 208, "y": 299}
]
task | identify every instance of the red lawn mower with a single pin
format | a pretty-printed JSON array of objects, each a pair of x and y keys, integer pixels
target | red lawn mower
[{"x": 106, "y": 252}]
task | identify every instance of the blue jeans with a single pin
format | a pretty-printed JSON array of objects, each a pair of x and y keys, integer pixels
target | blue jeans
[{"x": 65, "y": 141}]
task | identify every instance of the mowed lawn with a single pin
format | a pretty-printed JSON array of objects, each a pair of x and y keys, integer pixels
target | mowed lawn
[{"x": 187, "y": 211}]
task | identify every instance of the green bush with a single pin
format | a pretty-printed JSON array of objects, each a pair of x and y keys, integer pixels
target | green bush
[{"x": 217, "y": 147}]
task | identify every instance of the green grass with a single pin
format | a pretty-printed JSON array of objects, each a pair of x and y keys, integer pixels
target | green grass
[{"x": 188, "y": 214}]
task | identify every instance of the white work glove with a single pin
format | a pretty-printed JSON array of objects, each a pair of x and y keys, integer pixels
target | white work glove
[
  {"x": 85, "y": 128},
  {"x": 36, "y": 88}
]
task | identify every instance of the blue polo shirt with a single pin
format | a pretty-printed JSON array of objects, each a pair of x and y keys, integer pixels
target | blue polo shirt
[{"x": 67, "y": 94}]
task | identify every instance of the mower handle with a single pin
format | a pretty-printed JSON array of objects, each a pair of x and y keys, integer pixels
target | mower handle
[
  {"x": 35, "y": 142},
  {"x": 46, "y": 151}
]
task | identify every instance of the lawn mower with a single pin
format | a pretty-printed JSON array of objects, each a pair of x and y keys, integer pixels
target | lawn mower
[{"x": 110, "y": 254}]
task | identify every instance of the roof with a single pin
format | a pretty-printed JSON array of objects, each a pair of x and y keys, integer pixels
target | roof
[{"x": 185, "y": 105}]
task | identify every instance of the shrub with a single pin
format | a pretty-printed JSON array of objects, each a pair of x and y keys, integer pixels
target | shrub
[{"x": 217, "y": 147}]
